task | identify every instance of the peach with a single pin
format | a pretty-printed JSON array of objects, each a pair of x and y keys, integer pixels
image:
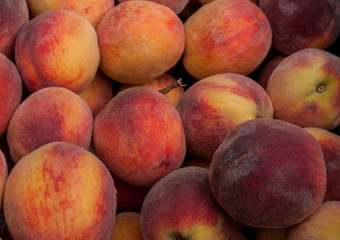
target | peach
[
  {"x": 127, "y": 226},
  {"x": 10, "y": 91},
  {"x": 330, "y": 144},
  {"x": 47, "y": 115},
  {"x": 57, "y": 48},
  {"x": 211, "y": 107},
  {"x": 322, "y": 224},
  {"x": 304, "y": 89},
  {"x": 98, "y": 93},
  {"x": 226, "y": 36},
  {"x": 203, "y": 2},
  {"x": 268, "y": 69},
  {"x": 160, "y": 83},
  {"x": 3, "y": 177},
  {"x": 92, "y": 10},
  {"x": 14, "y": 14},
  {"x": 176, "y": 5},
  {"x": 268, "y": 173},
  {"x": 139, "y": 136},
  {"x": 60, "y": 191},
  {"x": 139, "y": 41},
  {"x": 297, "y": 25},
  {"x": 129, "y": 197},
  {"x": 181, "y": 206}
]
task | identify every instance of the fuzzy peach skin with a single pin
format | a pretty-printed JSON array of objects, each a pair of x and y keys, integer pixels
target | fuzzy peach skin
[
  {"x": 181, "y": 206},
  {"x": 203, "y": 2},
  {"x": 127, "y": 226},
  {"x": 305, "y": 89},
  {"x": 321, "y": 225},
  {"x": 139, "y": 41},
  {"x": 57, "y": 48},
  {"x": 268, "y": 173},
  {"x": 139, "y": 136},
  {"x": 10, "y": 91},
  {"x": 176, "y": 5},
  {"x": 98, "y": 93},
  {"x": 92, "y": 10},
  {"x": 129, "y": 197},
  {"x": 60, "y": 191},
  {"x": 47, "y": 115},
  {"x": 13, "y": 15},
  {"x": 3, "y": 177},
  {"x": 330, "y": 144},
  {"x": 211, "y": 107},
  {"x": 160, "y": 83},
  {"x": 297, "y": 25},
  {"x": 226, "y": 36}
]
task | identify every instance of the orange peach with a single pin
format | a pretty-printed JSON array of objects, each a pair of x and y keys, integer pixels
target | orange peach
[
  {"x": 268, "y": 173},
  {"x": 3, "y": 177},
  {"x": 305, "y": 89},
  {"x": 181, "y": 206},
  {"x": 330, "y": 144},
  {"x": 57, "y": 48},
  {"x": 60, "y": 191},
  {"x": 176, "y": 5},
  {"x": 47, "y": 115},
  {"x": 98, "y": 93},
  {"x": 10, "y": 91},
  {"x": 14, "y": 14},
  {"x": 297, "y": 25},
  {"x": 322, "y": 224},
  {"x": 226, "y": 36},
  {"x": 139, "y": 41},
  {"x": 127, "y": 226},
  {"x": 211, "y": 107},
  {"x": 161, "y": 83},
  {"x": 139, "y": 136},
  {"x": 92, "y": 10}
]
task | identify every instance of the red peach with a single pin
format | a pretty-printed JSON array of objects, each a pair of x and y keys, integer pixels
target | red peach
[
  {"x": 176, "y": 5},
  {"x": 139, "y": 41},
  {"x": 10, "y": 91},
  {"x": 330, "y": 144},
  {"x": 14, "y": 14},
  {"x": 226, "y": 36},
  {"x": 181, "y": 206},
  {"x": 268, "y": 173},
  {"x": 47, "y": 115},
  {"x": 297, "y": 25},
  {"x": 139, "y": 136},
  {"x": 211, "y": 107},
  {"x": 57, "y": 48},
  {"x": 60, "y": 191}
]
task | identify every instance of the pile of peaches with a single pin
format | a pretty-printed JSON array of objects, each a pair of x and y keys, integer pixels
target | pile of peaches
[{"x": 170, "y": 119}]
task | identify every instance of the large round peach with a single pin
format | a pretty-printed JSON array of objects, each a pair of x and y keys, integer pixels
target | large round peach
[
  {"x": 297, "y": 25},
  {"x": 47, "y": 115},
  {"x": 160, "y": 83},
  {"x": 139, "y": 136},
  {"x": 305, "y": 89},
  {"x": 322, "y": 224},
  {"x": 268, "y": 173},
  {"x": 139, "y": 41},
  {"x": 176, "y": 5},
  {"x": 211, "y": 107},
  {"x": 60, "y": 191},
  {"x": 14, "y": 14},
  {"x": 330, "y": 144},
  {"x": 10, "y": 91},
  {"x": 226, "y": 36},
  {"x": 92, "y": 10},
  {"x": 181, "y": 206},
  {"x": 98, "y": 93},
  {"x": 57, "y": 48}
]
